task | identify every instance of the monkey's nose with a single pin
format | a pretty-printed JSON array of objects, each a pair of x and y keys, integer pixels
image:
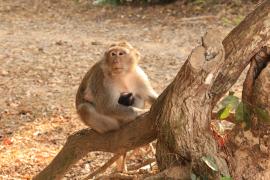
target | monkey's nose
[{"x": 120, "y": 53}]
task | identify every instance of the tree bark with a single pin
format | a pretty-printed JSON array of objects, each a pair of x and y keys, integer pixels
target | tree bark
[
  {"x": 180, "y": 117},
  {"x": 250, "y": 149},
  {"x": 241, "y": 44},
  {"x": 184, "y": 135},
  {"x": 135, "y": 134}
]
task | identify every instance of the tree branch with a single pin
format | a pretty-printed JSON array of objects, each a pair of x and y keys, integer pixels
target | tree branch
[
  {"x": 241, "y": 44},
  {"x": 138, "y": 133}
]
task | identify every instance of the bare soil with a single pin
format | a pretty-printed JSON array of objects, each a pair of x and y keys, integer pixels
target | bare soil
[{"x": 47, "y": 47}]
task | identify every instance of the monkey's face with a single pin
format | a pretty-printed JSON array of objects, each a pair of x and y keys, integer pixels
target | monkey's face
[{"x": 120, "y": 60}]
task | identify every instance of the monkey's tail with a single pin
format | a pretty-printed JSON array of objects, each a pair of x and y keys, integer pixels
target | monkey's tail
[{"x": 99, "y": 122}]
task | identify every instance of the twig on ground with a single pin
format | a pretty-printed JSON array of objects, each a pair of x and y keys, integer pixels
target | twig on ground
[
  {"x": 104, "y": 167},
  {"x": 144, "y": 163},
  {"x": 119, "y": 176}
]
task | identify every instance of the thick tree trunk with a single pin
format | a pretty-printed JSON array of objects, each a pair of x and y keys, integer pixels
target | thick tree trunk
[
  {"x": 184, "y": 135},
  {"x": 180, "y": 117},
  {"x": 183, "y": 131},
  {"x": 250, "y": 149},
  {"x": 242, "y": 43}
]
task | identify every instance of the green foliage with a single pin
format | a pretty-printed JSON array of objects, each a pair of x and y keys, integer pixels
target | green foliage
[
  {"x": 238, "y": 19},
  {"x": 243, "y": 114},
  {"x": 240, "y": 113},
  {"x": 230, "y": 100},
  {"x": 193, "y": 177},
  {"x": 232, "y": 21},
  {"x": 226, "y": 178},
  {"x": 262, "y": 114},
  {"x": 224, "y": 112},
  {"x": 242, "y": 110},
  {"x": 228, "y": 104},
  {"x": 210, "y": 162},
  {"x": 111, "y": 2}
]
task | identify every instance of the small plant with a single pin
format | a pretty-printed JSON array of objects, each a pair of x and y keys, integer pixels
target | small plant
[
  {"x": 242, "y": 110},
  {"x": 111, "y": 2}
]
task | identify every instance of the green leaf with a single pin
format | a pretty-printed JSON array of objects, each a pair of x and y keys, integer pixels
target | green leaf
[
  {"x": 226, "y": 178},
  {"x": 103, "y": 2},
  {"x": 210, "y": 162},
  {"x": 262, "y": 114},
  {"x": 224, "y": 112},
  {"x": 227, "y": 105},
  {"x": 243, "y": 114},
  {"x": 231, "y": 100},
  {"x": 239, "y": 113}
]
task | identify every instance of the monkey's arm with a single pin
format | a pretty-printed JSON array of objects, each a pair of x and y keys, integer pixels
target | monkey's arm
[
  {"x": 147, "y": 92},
  {"x": 151, "y": 95},
  {"x": 145, "y": 89},
  {"x": 126, "y": 113},
  {"x": 112, "y": 108}
]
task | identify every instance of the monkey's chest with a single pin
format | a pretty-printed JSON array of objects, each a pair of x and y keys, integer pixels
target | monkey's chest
[{"x": 127, "y": 86}]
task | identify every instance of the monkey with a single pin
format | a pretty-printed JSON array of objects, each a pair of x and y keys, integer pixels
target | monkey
[
  {"x": 116, "y": 78},
  {"x": 114, "y": 91}
]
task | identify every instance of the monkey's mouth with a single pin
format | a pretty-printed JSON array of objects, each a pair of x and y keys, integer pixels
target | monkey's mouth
[{"x": 118, "y": 69}]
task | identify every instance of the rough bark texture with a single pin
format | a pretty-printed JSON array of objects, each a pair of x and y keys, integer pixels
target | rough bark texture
[
  {"x": 136, "y": 134},
  {"x": 242, "y": 43},
  {"x": 250, "y": 149},
  {"x": 247, "y": 151},
  {"x": 184, "y": 136},
  {"x": 180, "y": 117}
]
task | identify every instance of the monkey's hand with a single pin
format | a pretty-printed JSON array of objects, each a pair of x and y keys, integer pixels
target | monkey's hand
[{"x": 140, "y": 111}]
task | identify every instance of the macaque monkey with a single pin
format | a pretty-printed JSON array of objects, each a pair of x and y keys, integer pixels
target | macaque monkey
[{"x": 114, "y": 90}]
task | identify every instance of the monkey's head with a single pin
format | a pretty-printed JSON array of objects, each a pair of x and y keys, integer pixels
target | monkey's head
[{"x": 121, "y": 58}]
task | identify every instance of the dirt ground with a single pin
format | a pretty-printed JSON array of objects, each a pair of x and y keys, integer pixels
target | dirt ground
[{"x": 45, "y": 49}]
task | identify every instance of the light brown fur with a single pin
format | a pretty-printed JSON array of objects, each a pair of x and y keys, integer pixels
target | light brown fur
[{"x": 100, "y": 89}]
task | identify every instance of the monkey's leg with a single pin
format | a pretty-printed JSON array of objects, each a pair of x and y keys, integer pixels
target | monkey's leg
[
  {"x": 95, "y": 120},
  {"x": 121, "y": 165}
]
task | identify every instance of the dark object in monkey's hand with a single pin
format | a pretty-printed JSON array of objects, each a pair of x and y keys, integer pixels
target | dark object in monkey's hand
[{"x": 126, "y": 99}]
